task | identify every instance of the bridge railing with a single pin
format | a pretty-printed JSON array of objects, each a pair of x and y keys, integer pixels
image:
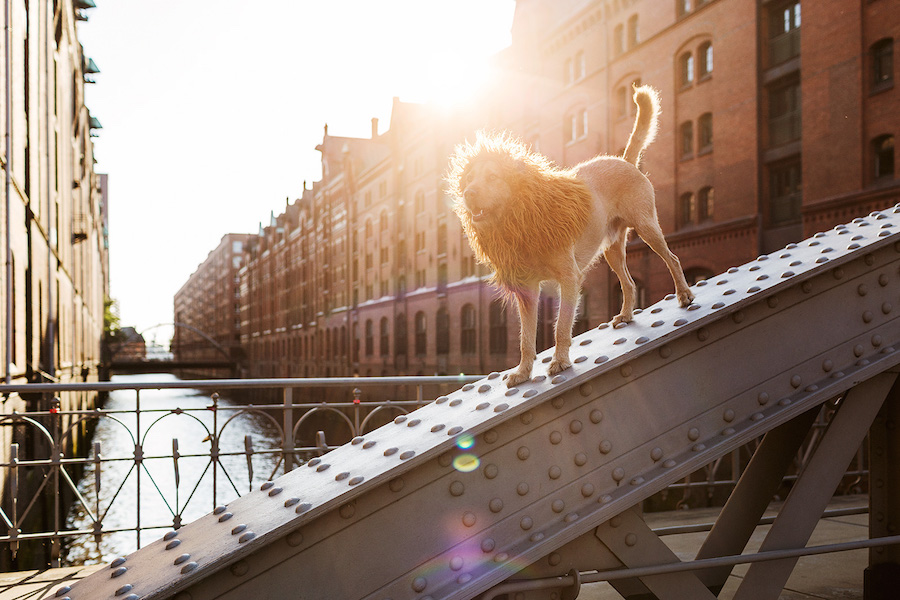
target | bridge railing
[{"x": 78, "y": 505}]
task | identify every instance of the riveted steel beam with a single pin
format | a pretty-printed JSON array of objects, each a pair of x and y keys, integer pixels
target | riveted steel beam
[{"x": 465, "y": 492}]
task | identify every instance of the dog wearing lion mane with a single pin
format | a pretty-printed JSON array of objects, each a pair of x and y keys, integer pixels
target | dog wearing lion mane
[{"x": 531, "y": 221}]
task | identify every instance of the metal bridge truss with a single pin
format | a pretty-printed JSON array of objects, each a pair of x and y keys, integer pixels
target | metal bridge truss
[{"x": 489, "y": 490}]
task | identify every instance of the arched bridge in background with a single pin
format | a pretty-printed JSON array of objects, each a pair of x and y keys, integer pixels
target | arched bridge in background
[
  {"x": 528, "y": 491},
  {"x": 225, "y": 363}
]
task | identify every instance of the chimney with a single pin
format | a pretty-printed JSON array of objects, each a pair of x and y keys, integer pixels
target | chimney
[{"x": 374, "y": 127}]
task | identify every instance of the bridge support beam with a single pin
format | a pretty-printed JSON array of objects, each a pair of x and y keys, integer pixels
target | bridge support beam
[{"x": 882, "y": 577}]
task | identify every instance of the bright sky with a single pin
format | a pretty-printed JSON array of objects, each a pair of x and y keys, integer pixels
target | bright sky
[{"x": 211, "y": 111}]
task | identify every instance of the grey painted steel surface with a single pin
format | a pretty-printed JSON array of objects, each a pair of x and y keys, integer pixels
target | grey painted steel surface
[{"x": 467, "y": 491}]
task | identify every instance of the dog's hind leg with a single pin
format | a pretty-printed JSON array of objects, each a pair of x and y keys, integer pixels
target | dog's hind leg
[
  {"x": 615, "y": 257},
  {"x": 568, "y": 305},
  {"x": 654, "y": 237},
  {"x": 527, "y": 301}
]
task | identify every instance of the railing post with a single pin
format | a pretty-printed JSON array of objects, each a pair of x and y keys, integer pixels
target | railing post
[
  {"x": 214, "y": 446},
  {"x": 357, "y": 395},
  {"x": 287, "y": 439},
  {"x": 14, "y": 492},
  {"x": 56, "y": 429},
  {"x": 98, "y": 524},
  {"x": 138, "y": 461}
]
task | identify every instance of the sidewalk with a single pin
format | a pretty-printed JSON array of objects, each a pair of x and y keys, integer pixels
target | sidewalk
[{"x": 836, "y": 576}]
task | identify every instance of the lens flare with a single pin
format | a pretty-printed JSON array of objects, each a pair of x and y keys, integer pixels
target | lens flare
[
  {"x": 466, "y": 463},
  {"x": 464, "y": 442}
]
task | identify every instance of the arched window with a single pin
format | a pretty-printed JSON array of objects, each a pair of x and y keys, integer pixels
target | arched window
[
  {"x": 420, "y": 202},
  {"x": 443, "y": 331},
  {"x": 882, "y": 56},
  {"x": 687, "y": 139},
  {"x": 385, "y": 338},
  {"x": 421, "y": 334},
  {"x": 686, "y": 69},
  {"x": 706, "y": 204},
  {"x": 883, "y": 147},
  {"x": 705, "y": 124},
  {"x": 706, "y": 60},
  {"x": 619, "y": 39},
  {"x": 634, "y": 36},
  {"x": 467, "y": 340},
  {"x": 687, "y": 209},
  {"x": 384, "y": 220},
  {"x": 497, "y": 328}
]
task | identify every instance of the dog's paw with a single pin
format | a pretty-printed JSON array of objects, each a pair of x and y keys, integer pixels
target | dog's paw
[
  {"x": 515, "y": 378},
  {"x": 622, "y": 318},
  {"x": 558, "y": 366},
  {"x": 685, "y": 298}
]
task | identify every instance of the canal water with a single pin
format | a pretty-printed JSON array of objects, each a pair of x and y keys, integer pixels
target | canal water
[{"x": 168, "y": 495}]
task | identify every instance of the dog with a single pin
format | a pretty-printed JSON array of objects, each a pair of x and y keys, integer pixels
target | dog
[{"x": 531, "y": 221}]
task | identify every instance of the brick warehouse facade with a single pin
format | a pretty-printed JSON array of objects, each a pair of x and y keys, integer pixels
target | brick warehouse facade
[{"x": 776, "y": 123}]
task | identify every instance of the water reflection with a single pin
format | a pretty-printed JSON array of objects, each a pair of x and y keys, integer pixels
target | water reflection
[{"x": 167, "y": 496}]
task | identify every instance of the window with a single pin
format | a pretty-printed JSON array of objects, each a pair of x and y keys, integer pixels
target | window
[
  {"x": 883, "y": 147},
  {"x": 687, "y": 209},
  {"x": 421, "y": 334},
  {"x": 578, "y": 65},
  {"x": 622, "y": 101},
  {"x": 706, "y": 60},
  {"x": 882, "y": 64},
  {"x": 401, "y": 342},
  {"x": 442, "y": 278},
  {"x": 634, "y": 37},
  {"x": 785, "y": 192},
  {"x": 784, "y": 32},
  {"x": 684, "y": 7},
  {"x": 467, "y": 331},
  {"x": 686, "y": 69},
  {"x": 443, "y": 331},
  {"x": 370, "y": 338},
  {"x": 384, "y": 220},
  {"x": 442, "y": 238},
  {"x": 368, "y": 228},
  {"x": 619, "y": 39},
  {"x": 384, "y": 340},
  {"x": 420, "y": 202},
  {"x": 575, "y": 125},
  {"x": 706, "y": 203},
  {"x": 687, "y": 140},
  {"x": 497, "y": 328},
  {"x": 706, "y": 133},
  {"x": 784, "y": 113}
]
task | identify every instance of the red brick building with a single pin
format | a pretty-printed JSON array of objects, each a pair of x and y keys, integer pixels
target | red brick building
[{"x": 776, "y": 123}]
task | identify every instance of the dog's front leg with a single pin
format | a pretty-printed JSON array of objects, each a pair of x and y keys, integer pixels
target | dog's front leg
[
  {"x": 527, "y": 301},
  {"x": 568, "y": 305}
]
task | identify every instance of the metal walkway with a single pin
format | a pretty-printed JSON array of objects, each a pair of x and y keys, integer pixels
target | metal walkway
[{"x": 465, "y": 493}]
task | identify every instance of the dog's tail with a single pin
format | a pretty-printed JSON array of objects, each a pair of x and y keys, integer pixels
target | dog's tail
[{"x": 646, "y": 123}]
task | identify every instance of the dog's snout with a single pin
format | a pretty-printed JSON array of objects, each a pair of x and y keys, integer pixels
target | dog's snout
[{"x": 470, "y": 194}]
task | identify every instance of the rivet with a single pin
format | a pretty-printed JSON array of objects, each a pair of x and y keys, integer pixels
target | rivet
[
  {"x": 717, "y": 306},
  {"x": 526, "y": 523},
  {"x": 188, "y": 568},
  {"x": 539, "y": 378},
  {"x": 496, "y": 505},
  {"x": 587, "y": 490},
  {"x": 371, "y": 443},
  {"x": 886, "y": 307},
  {"x": 596, "y": 416},
  {"x": 558, "y": 402},
  {"x": 693, "y": 434},
  {"x": 63, "y": 590},
  {"x": 626, "y": 370},
  {"x": 303, "y": 508},
  {"x": 491, "y": 471},
  {"x": 390, "y": 451},
  {"x": 414, "y": 422},
  {"x": 182, "y": 558},
  {"x": 522, "y": 488},
  {"x": 558, "y": 506},
  {"x": 438, "y": 427},
  {"x": 294, "y": 538},
  {"x": 493, "y": 375},
  {"x": 407, "y": 455},
  {"x": 240, "y": 568},
  {"x": 883, "y": 280},
  {"x": 400, "y": 419},
  {"x": 585, "y": 389},
  {"x": 454, "y": 430},
  {"x": 488, "y": 545},
  {"x": 827, "y": 365},
  {"x": 838, "y": 273},
  {"x": 728, "y": 431},
  {"x": 529, "y": 393},
  {"x": 491, "y": 436},
  {"x": 419, "y": 584},
  {"x": 806, "y": 287},
  {"x": 119, "y": 562},
  {"x": 680, "y": 322},
  {"x": 124, "y": 589},
  {"x": 637, "y": 481},
  {"x": 584, "y": 342},
  {"x": 604, "y": 499},
  {"x": 615, "y": 522},
  {"x": 812, "y": 388},
  {"x": 173, "y": 544},
  {"x": 469, "y": 519},
  {"x": 455, "y": 402},
  {"x": 642, "y": 340},
  {"x": 396, "y": 484},
  {"x": 869, "y": 259},
  {"x": 484, "y": 388},
  {"x": 728, "y": 415},
  {"x": 555, "y": 437},
  {"x": 347, "y": 510},
  {"x": 876, "y": 340},
  {"x": 356, "y": 480},
  {"x": 784, "y": 402},
  {"x": 665, "y": 352},
  {"x": 630, "y": 539},
  {"x": 698, "y": 447},
  {"x": 600, "y": 360},
  {"x": 511, "y": 392},
  {"x": 554, "y": 559},
  {"x": 580, "y": 459},
  {"x": 657, "y": 323},
  {"x": 757, "y": 416},
  {"x": 558, "y": 379},
  {"x": 728, "y": 292},
  {"x": 618, "y": 474},
  {"x": 441, "y": 400},
  {"x": 867, "y": 316},
  {"x": 456, "y": 563},
  {"x": 536, "y": 537},
  {"x": 575, "y": 426},
  {"x": 703, "y": 334},
  {"x": 605, "y": 447},
  {"x": 858, "y": 350},
  {"x": 796, "y": 381},
  {"x": 656, "y": 454},
  {"x": 523, "y": 453},
  {"x": 762, "y": 277},
  {"x": 238, "y": 529},
  {"x": 763, "y": 398},
  {"x": 468, "y": 387},
  {"x": 482, "y": 406},
  {"x": 669, "y": 463},
  {"x": 246, "y": 537},
  {"x": 119, "y": 572},
  {"x": 738, "y": 317},
  {"x": 322, "y": 467},
  {"x": 457, "y": 488},
  {"x": 772, "y": 301},
  {"x": 218, "y": 511},
  {"x": 501, "y": 407},
  {"x": 545, "y": 360},
  {"x": 275, "y": 491},
  {"x": 266, "y": 486},
  {"x": 571, "y": 517},
  {"x": 554, "y": 472}
]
